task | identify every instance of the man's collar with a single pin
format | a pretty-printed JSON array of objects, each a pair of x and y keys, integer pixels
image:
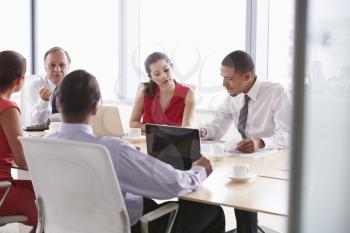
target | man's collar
[
  {"x": 74, "y": 127},
  {"x": 254, "y": 90},
  {"x": 52, "y": 86}
]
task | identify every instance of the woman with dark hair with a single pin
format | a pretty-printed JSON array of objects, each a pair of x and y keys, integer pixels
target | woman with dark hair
[
  {"x": 21, "y": 199},
  {"x": 162, "y": 100}
]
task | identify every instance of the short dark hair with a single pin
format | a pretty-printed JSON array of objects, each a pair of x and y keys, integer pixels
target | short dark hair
[
  {"x": 240, "y": 61},
  {"x": 77, "y": 94},
  {"x": 12, "y": 66},
  {"x": 153, "y": 58},
  {"x": 54, "y": 49}
]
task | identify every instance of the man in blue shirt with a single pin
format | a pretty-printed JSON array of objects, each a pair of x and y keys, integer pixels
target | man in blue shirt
[{"x": 140, "y": 176}]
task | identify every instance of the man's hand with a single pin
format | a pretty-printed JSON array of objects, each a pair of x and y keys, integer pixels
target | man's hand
[
  {"x": 250, "y": 145},
  {"x": 202, "y": 132},
  {"x": 45, "y": 93},
  {"x": 204, "y": 162}
]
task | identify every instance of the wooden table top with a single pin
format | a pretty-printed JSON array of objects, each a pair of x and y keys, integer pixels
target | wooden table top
[{"x": 267, "y": 193}]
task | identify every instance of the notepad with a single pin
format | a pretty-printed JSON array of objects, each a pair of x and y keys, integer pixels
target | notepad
[
  {"x": 258, "y": 154},
  {"x": 230, "y": 149}
]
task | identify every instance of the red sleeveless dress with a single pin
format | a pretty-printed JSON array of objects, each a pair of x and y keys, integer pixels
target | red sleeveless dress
[
  {"x": 21, "y": 198},
  {"x": 154, "y": 114}
]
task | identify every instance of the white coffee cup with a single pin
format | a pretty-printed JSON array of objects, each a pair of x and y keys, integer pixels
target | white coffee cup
[
  {"x": 53, "y": 127},
  {"x": 240, "y": 169},
  {"x": 134, "y": 132}
]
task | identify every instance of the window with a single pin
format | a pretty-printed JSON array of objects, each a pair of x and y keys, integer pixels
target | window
[
  {"x": 14, "y": 26},
  {"x": 274, "y": 41},
  {"x": 14, "y": 18},
  {"x": 112, "y": 39},
  {"x": 281, "y": 40},
  {"x": 196, "y": 35},
  {"x": 89, "y": 31}
]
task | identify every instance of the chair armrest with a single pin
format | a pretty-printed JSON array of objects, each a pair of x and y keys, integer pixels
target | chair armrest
[
  {"x": 161, "y": 211},
  {"x": 155, "y": 214},
  {"x": 5, "y": 184}
]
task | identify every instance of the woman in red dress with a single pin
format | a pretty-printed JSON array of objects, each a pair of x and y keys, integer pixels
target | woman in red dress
[
  {"x": 162, "y": 100},
  {"x": 21, "y": 199}
]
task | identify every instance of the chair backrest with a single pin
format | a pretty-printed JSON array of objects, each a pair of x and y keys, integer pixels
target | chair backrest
[
  {"x": 107, "y": 122},
  {"x": 77, "y": 185}
]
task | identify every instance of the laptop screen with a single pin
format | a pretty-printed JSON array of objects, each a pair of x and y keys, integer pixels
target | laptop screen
[{"x": 176, "y": 146}]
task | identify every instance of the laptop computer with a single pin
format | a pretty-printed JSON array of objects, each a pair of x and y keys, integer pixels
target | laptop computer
[
  {"x": 107, "y": 122},
  {"x": 176, "y": 146}
]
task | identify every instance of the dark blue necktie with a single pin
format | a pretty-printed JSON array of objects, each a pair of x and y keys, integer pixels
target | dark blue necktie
[
  {"x": 53, "y": 103},
  {"x": 243, "y": 114}
]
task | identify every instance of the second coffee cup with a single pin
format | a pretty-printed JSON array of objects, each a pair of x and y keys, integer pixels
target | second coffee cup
[
  {"x": 134, "y": 133},
  {"x": 240, "y": 170}
]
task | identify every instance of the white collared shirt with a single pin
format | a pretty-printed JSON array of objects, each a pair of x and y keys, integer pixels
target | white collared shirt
[
  {"x": 40, "y": 109},
  {"x": 138, "y": 174},
  {"x": 269, "y": 115}
]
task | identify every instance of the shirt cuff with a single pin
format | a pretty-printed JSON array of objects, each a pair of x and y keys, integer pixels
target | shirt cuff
[
  {"x": 208, "y": 134},
  {"x": 43, "y": 104},
  {"x": 200, "y": 170},
  {"x": 269, "y": 144}
]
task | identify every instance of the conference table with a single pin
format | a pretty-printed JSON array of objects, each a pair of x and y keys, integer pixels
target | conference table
[{"x": 267, "y": 193}]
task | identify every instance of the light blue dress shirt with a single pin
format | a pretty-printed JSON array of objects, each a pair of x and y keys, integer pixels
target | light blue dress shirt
[{"x": 138, "y": 174}]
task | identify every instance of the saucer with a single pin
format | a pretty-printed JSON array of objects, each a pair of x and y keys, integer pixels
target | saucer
[
  {"x": 249, "y": 176},
  {"x": 134, "y": 139}
]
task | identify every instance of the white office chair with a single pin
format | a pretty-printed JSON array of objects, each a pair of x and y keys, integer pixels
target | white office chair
[
  {"x": 12, "y": 218},
  {"x": 77, "y": 188}
]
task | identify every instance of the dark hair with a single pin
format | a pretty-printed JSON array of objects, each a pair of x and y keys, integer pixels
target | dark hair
[
  {"x": 153, "y": 58},
  {"x": 12, "y": 66},
  {"x": 77, "y": 94},
  {"x": 240, "y": 61},
  {"x": 54, "y": 49}
]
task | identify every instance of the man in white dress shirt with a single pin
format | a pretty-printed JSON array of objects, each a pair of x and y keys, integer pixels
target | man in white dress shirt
[
  {"x": 40, "y": 92},
  {"x": 140, "y": 176},
  {"x": 259, "y": 109}
]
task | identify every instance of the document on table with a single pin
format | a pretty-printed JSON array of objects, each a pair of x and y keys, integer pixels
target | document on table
[
  {"x": 230, "y": 149},
  {"x": 258, "y": 154}
]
